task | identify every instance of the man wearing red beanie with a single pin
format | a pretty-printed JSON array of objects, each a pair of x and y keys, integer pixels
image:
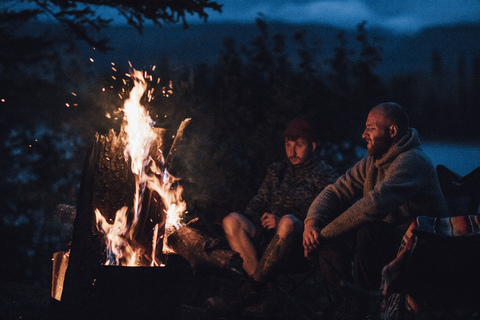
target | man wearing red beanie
[{"x": 268, "y": 235}]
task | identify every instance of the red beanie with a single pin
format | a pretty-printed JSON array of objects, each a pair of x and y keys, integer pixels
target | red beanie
[{"x": 300, "y": 128}]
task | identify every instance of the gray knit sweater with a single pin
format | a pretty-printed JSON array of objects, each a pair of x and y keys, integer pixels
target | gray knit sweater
[{"x": 395, "y": 188}]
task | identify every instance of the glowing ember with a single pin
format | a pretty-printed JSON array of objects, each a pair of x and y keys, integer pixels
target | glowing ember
[{"x": 122, "y": 249}]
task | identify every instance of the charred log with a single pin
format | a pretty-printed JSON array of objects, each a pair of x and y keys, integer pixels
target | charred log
[{"x": 201, "y": 251}]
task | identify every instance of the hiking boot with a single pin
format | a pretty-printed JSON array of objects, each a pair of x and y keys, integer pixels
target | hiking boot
[
  {"x": 233, "y": 301},
  {"x": 268, "y": 302}
]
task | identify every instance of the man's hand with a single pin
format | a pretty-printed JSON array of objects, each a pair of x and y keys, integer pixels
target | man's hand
[
  {"x": 311, "y": 238},
  {"x": 269, "y": 220}
]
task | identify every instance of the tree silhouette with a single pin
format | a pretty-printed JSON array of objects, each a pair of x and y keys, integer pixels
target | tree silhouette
[{"x": 84, "y": 17}]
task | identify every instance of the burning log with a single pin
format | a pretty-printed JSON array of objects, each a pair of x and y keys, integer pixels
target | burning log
[
  {"x": 60, "y": 263},
  {"x": 201, "y": 251},
  {"x": 178, "y": 138}
]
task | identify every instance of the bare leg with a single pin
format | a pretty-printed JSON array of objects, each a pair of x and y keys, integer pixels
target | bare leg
[
  {"x": 279, "y": 247},
  {"x": 239, "y": 232}
]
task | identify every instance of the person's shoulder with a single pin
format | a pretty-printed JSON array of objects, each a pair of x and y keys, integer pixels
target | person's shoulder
[
  {"x": 414, "y": 153},
  {"x": 321, "y": 167},
  {"x": 278, "y": 166},
  {"x": 414, "y": 157}
]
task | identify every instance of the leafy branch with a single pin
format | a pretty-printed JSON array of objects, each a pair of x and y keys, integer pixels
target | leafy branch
[{"x": 83, "y": 18}]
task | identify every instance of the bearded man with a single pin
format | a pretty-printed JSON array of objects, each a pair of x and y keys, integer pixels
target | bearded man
[{"x": 363, "y": 215}]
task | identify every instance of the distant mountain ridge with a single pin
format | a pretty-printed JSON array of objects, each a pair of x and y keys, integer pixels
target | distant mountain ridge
[{"x": 402, "y": 53}]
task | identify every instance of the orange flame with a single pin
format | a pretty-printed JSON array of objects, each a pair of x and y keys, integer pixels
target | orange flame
[
  {"x": 121, "y": 248},
  {"x": 116, "y": 237},
  {"x": 140, "y": 136}
]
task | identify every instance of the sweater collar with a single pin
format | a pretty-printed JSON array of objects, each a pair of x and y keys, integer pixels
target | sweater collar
[{"x": 305, "y": 164}]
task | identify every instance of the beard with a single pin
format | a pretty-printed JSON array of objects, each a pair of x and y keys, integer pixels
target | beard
[{"x": 379, "y": 146}]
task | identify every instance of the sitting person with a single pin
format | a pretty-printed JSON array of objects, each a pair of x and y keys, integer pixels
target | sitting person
[
  {"x": 363, "y": 215},
  {"x": 269, "y": 233}
]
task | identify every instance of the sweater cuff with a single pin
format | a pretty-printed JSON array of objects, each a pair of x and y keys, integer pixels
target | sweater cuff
[{"x": 310, "y": 221}]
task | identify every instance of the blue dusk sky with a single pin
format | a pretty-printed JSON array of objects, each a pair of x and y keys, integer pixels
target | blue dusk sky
[
  {"x": 403, "y": 16},
  {"x": 396, "y": 15}
]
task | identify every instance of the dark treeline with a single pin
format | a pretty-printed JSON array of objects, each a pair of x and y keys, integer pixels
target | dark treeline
[{"x": 239, "y": 107}]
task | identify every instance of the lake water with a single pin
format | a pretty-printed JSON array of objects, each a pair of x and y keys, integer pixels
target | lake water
[{"x": 462, "y": 158}]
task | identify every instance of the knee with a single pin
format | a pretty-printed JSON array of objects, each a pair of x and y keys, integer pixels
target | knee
[
  {"x": 288, "y": 225},
  {"x": 232, "y": 223}
]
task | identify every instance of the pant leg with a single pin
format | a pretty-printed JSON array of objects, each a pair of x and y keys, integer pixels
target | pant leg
[
  {"x": 370, "y": 248},
  {"x": 376, "y": 245},
  {"x": 335, "y": 261}
]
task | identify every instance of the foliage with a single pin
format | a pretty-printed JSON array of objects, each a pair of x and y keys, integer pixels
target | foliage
[
  {"x": 84, "y": 18},
  {"x": 40, "y": 168}
]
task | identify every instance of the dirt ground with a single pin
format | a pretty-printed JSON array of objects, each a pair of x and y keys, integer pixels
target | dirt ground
[
  {"x": 301, "y": 297},
  {"x": 20, "y": 301}
]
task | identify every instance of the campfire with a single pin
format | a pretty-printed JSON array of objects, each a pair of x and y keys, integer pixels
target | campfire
[
  {"x": 129, "y": 217},
  {"x": 150, "y": 173}
]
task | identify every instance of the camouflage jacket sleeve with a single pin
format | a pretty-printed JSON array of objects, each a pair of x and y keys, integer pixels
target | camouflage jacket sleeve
[
  {"x": 260, "y": 203},
  {"x": 289, "y": 189}
]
